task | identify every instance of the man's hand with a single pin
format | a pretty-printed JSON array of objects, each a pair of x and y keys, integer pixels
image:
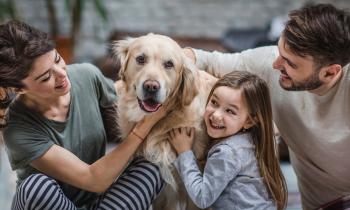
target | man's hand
[
  {"x": 182, "y": 139},
  {"x": 189, "y": 53}
]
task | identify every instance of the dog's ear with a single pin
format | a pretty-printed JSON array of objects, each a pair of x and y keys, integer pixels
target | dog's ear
[
  {"x": 121, "y": 50},
  {"x": 188, "y": 89}
]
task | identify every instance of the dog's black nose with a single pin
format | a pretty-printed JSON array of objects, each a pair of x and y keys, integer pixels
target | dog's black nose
[{"x": 151, "y": 86}]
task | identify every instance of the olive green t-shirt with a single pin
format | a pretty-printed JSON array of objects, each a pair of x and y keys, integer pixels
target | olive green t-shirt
[{"x": 29, "y": 134}]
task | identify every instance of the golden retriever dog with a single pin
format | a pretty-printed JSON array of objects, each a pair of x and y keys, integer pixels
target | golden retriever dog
[{"x": 155, "y": 72}]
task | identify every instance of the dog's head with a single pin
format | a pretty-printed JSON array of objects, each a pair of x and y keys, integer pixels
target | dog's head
[{"x": 156, "y": 71}]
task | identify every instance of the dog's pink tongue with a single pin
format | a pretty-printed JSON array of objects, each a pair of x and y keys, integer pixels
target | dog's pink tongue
[{"x": 151, "y": 107}]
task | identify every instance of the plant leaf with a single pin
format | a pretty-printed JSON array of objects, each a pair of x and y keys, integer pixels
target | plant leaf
[{"x": 101, "y": 10}]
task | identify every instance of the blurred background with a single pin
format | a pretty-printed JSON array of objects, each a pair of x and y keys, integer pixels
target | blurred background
[
  {"x": 89, "y": 25},
  {"x": 84, "y": 30}
]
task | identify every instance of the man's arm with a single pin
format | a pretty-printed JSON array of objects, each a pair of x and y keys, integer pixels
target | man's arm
[{"x": 257, "y": 60}]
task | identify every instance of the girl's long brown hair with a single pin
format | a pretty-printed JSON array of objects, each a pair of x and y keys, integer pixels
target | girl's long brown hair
[{"x": 256, "y": 96}]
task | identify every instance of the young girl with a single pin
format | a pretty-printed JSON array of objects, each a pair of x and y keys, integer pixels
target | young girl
[{"x": 242, "y": 170}]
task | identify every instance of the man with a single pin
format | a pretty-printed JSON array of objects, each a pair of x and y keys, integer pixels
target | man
[{"x": 310, "y": 95}]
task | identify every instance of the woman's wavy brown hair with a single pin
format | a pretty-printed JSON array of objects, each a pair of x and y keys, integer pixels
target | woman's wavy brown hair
[
  {"x": 256, "y": 96},
  {"x": 20, "y": 45}
]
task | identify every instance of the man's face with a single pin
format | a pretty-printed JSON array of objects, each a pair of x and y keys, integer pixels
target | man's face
[{"x": 297, "y": 73}]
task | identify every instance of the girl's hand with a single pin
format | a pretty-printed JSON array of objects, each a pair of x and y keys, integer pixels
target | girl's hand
[
  {"x": 182, "y": 139},
  {"x": 143, "y": 127}
]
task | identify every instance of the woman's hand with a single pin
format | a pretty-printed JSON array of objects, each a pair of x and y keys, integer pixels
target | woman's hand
[
  {"x": 182, "y": 139},
  {"x": 143, "y": 127}
]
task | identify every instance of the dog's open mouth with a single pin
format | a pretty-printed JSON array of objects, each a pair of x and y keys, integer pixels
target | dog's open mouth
[{"x": 149, "y": 105}]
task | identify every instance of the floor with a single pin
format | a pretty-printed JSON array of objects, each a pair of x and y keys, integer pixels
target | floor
[
  {"x": 294, "y": 202},
  {"x": 7, "y": 183}
]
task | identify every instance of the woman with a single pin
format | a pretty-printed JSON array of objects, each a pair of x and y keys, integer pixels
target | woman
[{"x": 54, "y": 132}]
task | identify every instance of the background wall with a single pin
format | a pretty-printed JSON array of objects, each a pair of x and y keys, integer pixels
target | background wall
[{"x": 190, "y": 18}]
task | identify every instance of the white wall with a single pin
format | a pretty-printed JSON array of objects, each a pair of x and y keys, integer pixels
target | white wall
[{"x": 200, "y": 18}]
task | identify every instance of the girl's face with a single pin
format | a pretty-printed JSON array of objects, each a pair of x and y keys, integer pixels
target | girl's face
[
  {"x": 226, "y": 112},
  {"x": 48, "y": 77}
]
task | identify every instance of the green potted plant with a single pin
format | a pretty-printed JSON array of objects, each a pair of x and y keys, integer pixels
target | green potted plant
[{"x": 75, "y": 8}]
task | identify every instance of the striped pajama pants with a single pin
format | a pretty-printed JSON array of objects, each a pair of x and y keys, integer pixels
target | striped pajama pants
[{"x": 135, "y": 189}]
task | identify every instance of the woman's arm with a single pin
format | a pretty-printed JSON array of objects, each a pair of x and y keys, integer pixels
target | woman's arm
[{"x": 63, "y": 165}]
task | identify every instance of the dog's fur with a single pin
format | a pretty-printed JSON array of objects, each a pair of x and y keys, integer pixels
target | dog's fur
[{"x": 154, "y": 67}]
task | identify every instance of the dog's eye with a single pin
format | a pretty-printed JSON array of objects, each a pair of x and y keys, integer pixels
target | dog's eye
[
  {"x": 141, "y": 59},
  {"x": 169, "y": 64}
]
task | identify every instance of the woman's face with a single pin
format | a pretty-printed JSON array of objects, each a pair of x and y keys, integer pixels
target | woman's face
[
  {"x": 47, "y": 77},
  {"x": 226, "y": 112}
]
